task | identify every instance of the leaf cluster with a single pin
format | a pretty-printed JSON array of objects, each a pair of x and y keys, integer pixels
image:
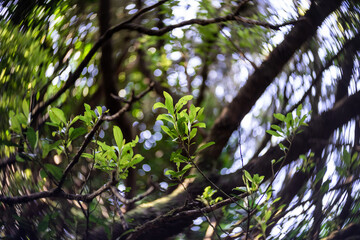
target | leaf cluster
[{"x": 183, "y": 124}]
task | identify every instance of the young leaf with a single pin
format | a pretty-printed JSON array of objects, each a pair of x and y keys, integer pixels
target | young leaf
[
  {"x": 193, "y": 133},
  {"x": 170, "y": 172},
  {"x": 57, "y": 115},
  {"x": 87, "y": 155},
  {"x": 182, "y": 102},
  {"x": 99, "y": 110},
  {"x": 282, "y": 147},
  {"x": 136, "y": 159},
  {"x": 276, "y": 127},
  {"x": 165, "y": 117},
  {"x": 159, "y": 105},
  {"x": 168, "y": 131},
  {"x": 200, "y": 125},
  {"x": 118, "y": 137},
  {"x": 279, "y": 116},
  {"x": 76, "y": 132},
  {"x": 74, "y": 120},
  {"x": 298, "y": 110},
  {"x": 247, "y": 175},
  {"x": 241, "y": 189},
  {"x": 192, "y": 113},
  {"x": 26, "y": 108},
  {"x": 289, "y": 120},
  {"x": 204, "y": 146},
  {"x": 169, "y": 103},
  {"x": 271, "y": 132}
]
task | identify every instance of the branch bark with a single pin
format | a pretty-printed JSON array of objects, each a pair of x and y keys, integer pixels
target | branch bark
[{"x": 263, "y": 76}]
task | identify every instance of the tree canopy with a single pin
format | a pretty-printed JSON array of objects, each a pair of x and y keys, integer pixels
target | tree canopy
[{"x": 179, "y": 119}]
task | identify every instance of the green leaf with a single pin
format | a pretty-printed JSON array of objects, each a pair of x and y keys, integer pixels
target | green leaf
[
  {"x": 136, "y": 159},
  {"x": 325, "y": 187},
  {"x": 354, "y": 156},
  {"x": 57, "y": 115},
  {"x": 193, "y": 133},
  {"x": 298, "y": 110},
  {"x": 346, "y": 157},
  {"x": 87, "y": 155},
  {"x": 32, "y": 137},
  {"x": 186, "y": 167},
  {"x": 52, "y": 124},
  {"x": 241, "y": 189},
  {"x": 289, "y": 119},
  {"x": 19, "y": 159},
  {"x": 191, "y": 176},
  {"x": 99, "y": 110},
  {"x": 170, "y": 172},
  {"x": 184, "y": 100},
  {"x": 320, "y": 175},
  {"x": 247, "y": 175},
  {"x": 87, "y": 107},
  {"x": 200, "y": 125},
  {"x": 168, "y": 131},
  {"x": 165, "y": 117},
  {"x": 204, "y": 146},
  {"x": 42, "y": 173},
  {"x": 279, "y": 116},
  {"x": 76, "y": 132},
  {"x": 46, "y": 147},
  {"x": 118, "y": 137},
  {"x": 271, "y": 132},
  {"x": 192, "y": 113},
  {"x": 103, "y": 145},
  {"x": 74, "y": 120},
  {"x": 276, "y": 127},
  {"x": 183, "y": 126},
  {"x": 282, "y": 147},
  {"x": 26, "y": 108},
  {"x": 169, "y": 103},
  {"x": 54, "y": 170},
  {"x": 159, "y": 105},
  {"x": 302, "y": 120},
  {"x": 16, "y": 121}
]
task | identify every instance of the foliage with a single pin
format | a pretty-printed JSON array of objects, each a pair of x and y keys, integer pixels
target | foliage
[{"x": 184, "y": 124}]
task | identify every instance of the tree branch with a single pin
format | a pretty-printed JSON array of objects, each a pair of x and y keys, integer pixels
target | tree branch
[
  {"x": 40, "y": 107},
  {"x": 133, "y": 200},
  {"x": 320, "y": 127},
  {"x": 56, "y": 193},
  {"x": 262, "y": 77}
]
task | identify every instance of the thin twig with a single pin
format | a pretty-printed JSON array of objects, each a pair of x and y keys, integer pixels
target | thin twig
[
  {"x": 123, "y": 222},
  {"x": 133, "y": 200}
]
